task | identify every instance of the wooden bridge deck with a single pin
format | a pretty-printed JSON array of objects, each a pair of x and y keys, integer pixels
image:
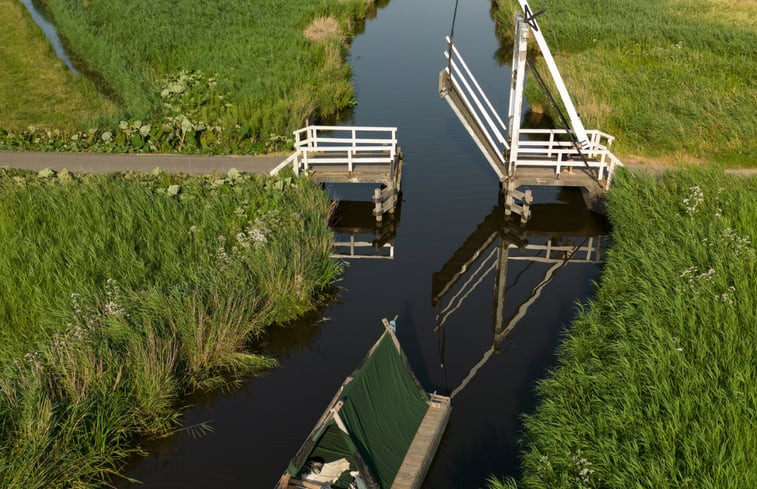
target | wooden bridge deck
[
  {"x": 578, "y": 176},
  {"x": 423, "y": 447},
  {"x": 361, "y": 172}
]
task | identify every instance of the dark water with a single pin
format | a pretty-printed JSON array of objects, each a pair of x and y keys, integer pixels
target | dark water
[
  {"x": 449, "y": 217},
  {"x": 43, "y": 21}
]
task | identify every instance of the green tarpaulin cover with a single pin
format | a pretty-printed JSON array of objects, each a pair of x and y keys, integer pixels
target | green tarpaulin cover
[{"x": 382, "y": 409}]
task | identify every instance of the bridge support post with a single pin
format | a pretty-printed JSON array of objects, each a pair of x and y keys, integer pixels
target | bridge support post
[
  {"x": 518, "y": 202},
  {"x": 385, "y": 200},
  {"x": 518, "y": 80}
]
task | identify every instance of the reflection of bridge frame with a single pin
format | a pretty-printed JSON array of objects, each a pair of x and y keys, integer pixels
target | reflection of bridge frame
[
  {"x": 477, "y": 258},
  {"x": 359, "y": 235}
]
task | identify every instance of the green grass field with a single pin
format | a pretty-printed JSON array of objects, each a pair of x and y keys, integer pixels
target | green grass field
[
  {"x": 36, "y": 88},
  {"x": 265, "y": 67},
  {"x": 121, "y": 293},
  {"x": 672, "y": 79},
  {"x": 656, "y": 383}
]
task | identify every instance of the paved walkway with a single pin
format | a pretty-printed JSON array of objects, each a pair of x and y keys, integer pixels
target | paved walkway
[
  {"x": 170, "y": 163},
  {"x": 191, "y": 164}
]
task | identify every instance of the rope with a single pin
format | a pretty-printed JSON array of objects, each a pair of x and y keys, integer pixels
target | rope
[
  {"x": 451, "y": 35},
  {"x": 553, "y": 102}
]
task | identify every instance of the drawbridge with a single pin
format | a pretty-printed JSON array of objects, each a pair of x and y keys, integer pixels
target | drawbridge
[{"x": 571, "y": 156}]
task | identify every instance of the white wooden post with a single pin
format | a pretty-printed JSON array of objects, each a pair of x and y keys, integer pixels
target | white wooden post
[
  {"x": 551, "y": 143},
  {"x": 516, "y": 90}
]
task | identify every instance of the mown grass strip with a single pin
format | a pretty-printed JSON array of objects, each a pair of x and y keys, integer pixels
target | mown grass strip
[
  {"x": 671, "y": 77},
  {"x": 656, "y": 379},
  {"x": 120, "y": 293},
  {"x": 36, "y": 88}
]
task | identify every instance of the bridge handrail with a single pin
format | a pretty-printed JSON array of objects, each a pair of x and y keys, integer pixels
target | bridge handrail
[
  {"x": 357, "y": 148},
  {"x": 596, "y": 136},
  {"x": 311, "y": 135},
  {"x": 560, "y": 153},
  {"x": 480, "y": 90},
  {"x": 347, "y": 128},
  {"x": 466, "y": 92},
  {"x": 355, "y": 142},
  {"x": 314, "y": 148}
]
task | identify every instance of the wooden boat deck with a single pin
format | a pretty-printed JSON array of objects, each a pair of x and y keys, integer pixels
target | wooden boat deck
[{"x": 423, "y": 447}]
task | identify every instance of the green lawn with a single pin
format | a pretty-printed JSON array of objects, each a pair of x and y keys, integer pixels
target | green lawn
[{"x": 36, "y": 88}]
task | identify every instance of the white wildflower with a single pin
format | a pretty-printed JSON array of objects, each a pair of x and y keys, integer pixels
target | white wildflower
[{"x": 696, "y": 197}]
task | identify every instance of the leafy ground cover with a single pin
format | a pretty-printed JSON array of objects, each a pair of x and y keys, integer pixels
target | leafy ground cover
[
  {"x": 272, "y": 66},
  {"x": 121, "y": 293},
  {"x": 667, "y": 78},
  {"x": 656, "y": 379}
]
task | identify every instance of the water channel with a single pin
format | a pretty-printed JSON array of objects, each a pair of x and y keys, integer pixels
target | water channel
[
  {"x": 43, "y": 20},
  {"x": 442, "y": 283}
]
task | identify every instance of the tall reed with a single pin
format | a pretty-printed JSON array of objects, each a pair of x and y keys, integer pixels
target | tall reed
[
  {"x": 121, "y": 293},
  {"x": 656, "y": 379}
]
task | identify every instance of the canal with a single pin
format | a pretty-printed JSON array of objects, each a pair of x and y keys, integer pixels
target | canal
[{"x": 442, "y": 284}]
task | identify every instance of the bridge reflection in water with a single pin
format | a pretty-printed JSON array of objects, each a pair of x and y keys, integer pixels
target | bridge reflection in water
[
  {"x": 357, "y": 233},
  {"x": 559, "y": 235}
]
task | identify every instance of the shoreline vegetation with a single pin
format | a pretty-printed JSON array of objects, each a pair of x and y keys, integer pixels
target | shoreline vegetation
[
  {"x": 191, "y": 77},
  {"x": 121, "y": 293},
  {"x": 672, "y": 80},
  {"x": 655, "y": 383}
]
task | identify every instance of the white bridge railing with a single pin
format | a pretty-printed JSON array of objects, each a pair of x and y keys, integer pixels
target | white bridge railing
[
  {"x": 549, "y": 148},
  {"x": 476, "y": 101},
  {"x": 344, "y": 145}
]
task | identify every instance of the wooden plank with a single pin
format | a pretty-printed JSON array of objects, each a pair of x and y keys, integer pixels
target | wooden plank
[
  {"x": 423, "y": 447},
  {"x": 350, "y": 128}
]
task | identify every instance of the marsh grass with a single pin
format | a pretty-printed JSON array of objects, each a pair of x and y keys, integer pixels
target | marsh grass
[
  {"x": 272, "y": 77},
  {"x": 656, "y": 379},
  {"x": 121, "y": 293},
  {"x": 664, "y": 77}
]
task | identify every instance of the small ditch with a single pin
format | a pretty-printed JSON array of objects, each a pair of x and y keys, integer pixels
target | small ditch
[{"x": 43, "y": 20}]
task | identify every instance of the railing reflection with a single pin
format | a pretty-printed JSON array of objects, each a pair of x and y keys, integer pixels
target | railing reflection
[
  {"x": 559, "y": 234},
  {"x": 357, "y": 234}
]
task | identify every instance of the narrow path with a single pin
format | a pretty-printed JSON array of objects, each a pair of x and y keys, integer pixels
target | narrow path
[{"x": 104, "y": 163}]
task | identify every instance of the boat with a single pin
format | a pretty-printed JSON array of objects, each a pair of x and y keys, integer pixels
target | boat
[{"x": 380, "y": 431}]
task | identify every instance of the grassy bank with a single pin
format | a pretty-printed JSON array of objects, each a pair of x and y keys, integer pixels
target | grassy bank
[
  {"x": 667, "y": 78},
  {"x": 36, "y": 88},
  {"x": 121, "y": 293},
  {"x": 264, "y": 66},
  {"x": 656, "y": 380}
]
